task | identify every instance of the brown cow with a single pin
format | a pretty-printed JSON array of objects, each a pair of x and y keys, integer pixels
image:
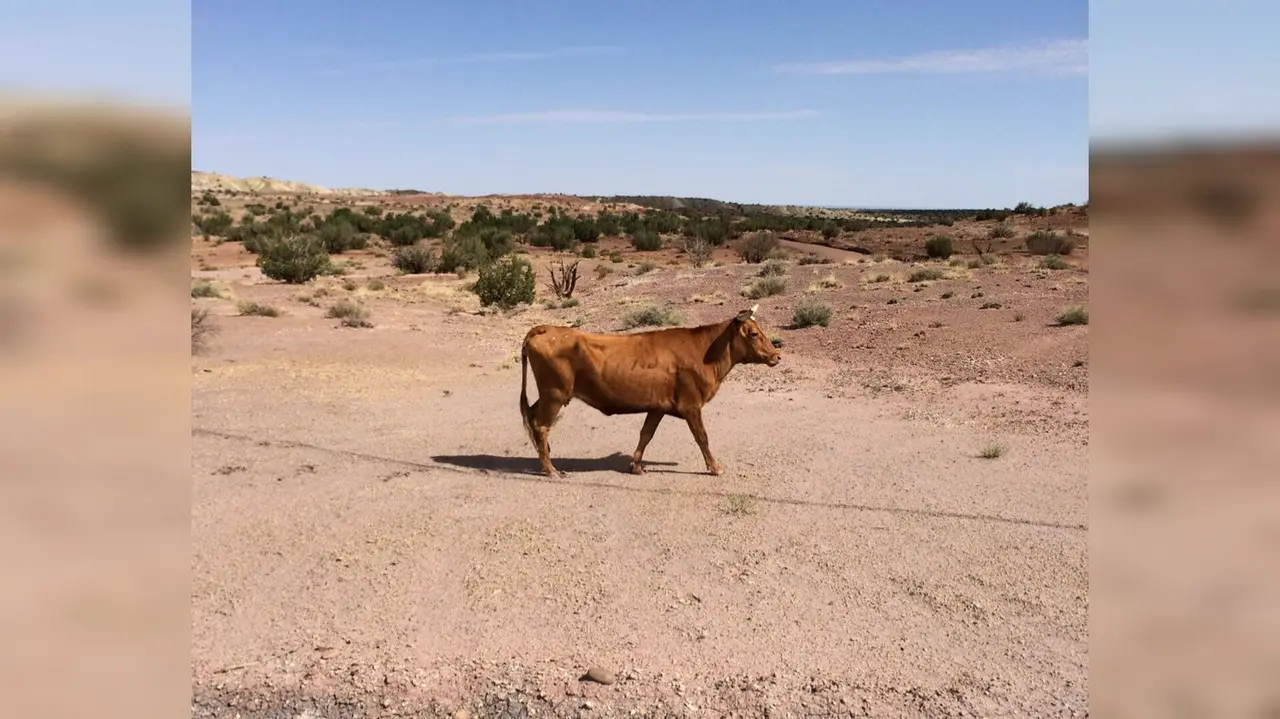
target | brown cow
[{"x": 673, "y": 371}]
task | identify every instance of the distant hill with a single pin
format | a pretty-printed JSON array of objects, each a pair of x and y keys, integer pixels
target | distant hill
[{"x": 214, "y": 182}]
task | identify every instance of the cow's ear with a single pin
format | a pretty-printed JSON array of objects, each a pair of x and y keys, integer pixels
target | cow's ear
[{"x": 742, "y": 316}]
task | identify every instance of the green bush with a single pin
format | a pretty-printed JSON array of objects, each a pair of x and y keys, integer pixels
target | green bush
[
  {"x": 506, "y": 283},
  {"x": 646, "y": 240},
  {"x": 214, "y": 225},
  {"x": 464, "y": 252},
  {"x": 338, "y": 236},
  {"x": 809, "y": 312},
  {"x": 939, "y": 247},
  {"x": 293, "y": 259},
  {"x": 415, "y": 260}
]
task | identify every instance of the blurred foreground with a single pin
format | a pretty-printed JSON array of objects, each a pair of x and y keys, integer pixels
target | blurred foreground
[
  {"x": 93, "y": 379},
  {"x": 1185, "y": 612}
]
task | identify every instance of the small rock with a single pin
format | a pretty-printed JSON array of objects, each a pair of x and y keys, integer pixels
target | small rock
[
  {"x": 599, "y": 676},
  {"x": 462, "y": 714}
]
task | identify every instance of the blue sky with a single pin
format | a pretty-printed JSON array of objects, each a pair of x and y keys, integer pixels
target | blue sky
[
  {"x": 269, "y": 100},
  {"x": 843, "y": 102}
]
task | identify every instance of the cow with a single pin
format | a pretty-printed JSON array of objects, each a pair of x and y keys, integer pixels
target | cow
[{"x": 665, "y": 372}]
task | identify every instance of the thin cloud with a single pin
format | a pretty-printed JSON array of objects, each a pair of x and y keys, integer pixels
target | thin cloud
[
  {"x": 411, "y": 63},
  {"x": 621, "y": 116},
  {"x": 1055, "y": 57}
]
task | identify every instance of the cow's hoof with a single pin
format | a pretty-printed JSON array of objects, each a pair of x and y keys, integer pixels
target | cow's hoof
[
  {"x": 717, "y": 470},
  {"x": 637, "y": 469}
]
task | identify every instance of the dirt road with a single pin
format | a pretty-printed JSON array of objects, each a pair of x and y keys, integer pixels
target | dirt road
[{"x": 369, "y": 539}]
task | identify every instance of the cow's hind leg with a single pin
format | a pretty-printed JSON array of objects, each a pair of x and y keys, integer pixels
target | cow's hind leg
[
  {"x": 545, "y": 412},
  {"x": 694, "y": 419},
  {"x": 651, "y": 422}
]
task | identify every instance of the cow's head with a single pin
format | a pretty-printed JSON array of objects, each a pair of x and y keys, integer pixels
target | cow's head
[{"x": 749, "y": 343}]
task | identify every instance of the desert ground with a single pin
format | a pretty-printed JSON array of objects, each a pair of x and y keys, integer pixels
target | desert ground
[{"x": 901, "y": 528}]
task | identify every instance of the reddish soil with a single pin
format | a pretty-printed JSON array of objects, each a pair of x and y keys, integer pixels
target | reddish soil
[{"x": 371, "y": 539}]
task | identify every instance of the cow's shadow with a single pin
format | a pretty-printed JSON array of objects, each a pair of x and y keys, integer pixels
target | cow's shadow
[{"x": 616, "y": 462}]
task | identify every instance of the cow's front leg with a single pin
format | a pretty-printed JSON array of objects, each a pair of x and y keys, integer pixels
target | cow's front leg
[
  {"x": 694, "y": 418},
  {"x": 646, "y": 433}
]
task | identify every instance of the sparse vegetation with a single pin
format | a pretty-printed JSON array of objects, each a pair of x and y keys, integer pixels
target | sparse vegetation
[
  {"x": 809, "y": 312},
  {"x": 1074, "y": 316},
  {"x": 256, "y": 309},
  {"x": 1055, "y": 262},
  {"x": 351, "y": 314},
  {"x": 375, "y": 285},
  {"x": 646, "y": 267},
  {"x": 765, "y": 287},
  {"x": 603, "y": 271},
  {"x": 1000, "y": 232},
  {"x": 506, "y": 283},
  {"x": 651, "y": 316},
  {"x": 992, "y": 451}
]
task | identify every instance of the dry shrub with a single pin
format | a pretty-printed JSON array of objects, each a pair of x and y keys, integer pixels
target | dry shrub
[
  {"x": 809, "y": 312},
  {"x": 564, "y": 278},
  {"x": 257, "y": 309},
  {"x": 650, "y": 317},
  {"x": 698, "y": 249},
  {"x": 1043, "y": 242},
  {"x": 756, "y": 247},
  {"x": 201, "y": 329},
  {"x": 351, "y": 314},
  {"x": 765, "y": 287}
]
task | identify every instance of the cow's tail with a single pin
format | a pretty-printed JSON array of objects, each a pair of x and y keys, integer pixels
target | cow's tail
[{"x": 526, "y": 410}]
